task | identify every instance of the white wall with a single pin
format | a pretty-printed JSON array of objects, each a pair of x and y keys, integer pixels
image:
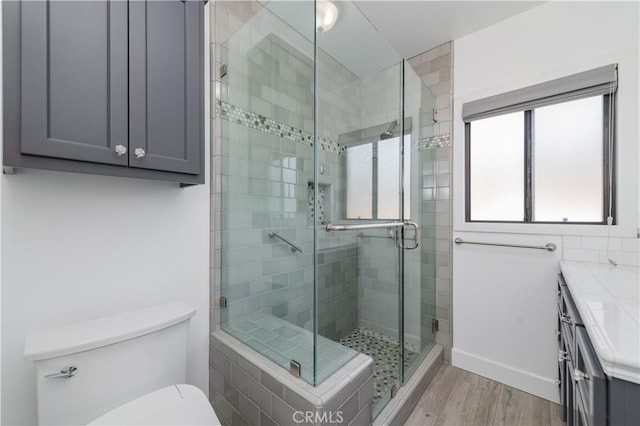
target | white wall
[
  {"x": 503, "y": 311},
  {"x": 79, "y": 246},
  {"x": 505, "y": 331}
]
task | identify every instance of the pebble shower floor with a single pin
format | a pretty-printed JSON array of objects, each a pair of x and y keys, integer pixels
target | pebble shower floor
[{"x": 385, "y": 352}]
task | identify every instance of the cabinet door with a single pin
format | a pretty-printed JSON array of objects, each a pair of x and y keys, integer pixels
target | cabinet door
[
  {"x": 590, "y": 380},
  {"x": 74, "y": 80},
  {"x": 165, "y": 85}
]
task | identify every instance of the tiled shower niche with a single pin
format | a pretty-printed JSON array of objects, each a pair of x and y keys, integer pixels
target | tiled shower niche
[{"x": 323, "y": 212}]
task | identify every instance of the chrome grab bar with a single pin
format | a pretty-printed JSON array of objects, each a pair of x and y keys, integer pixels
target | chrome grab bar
[
  {"x": 294, "y": 248},
  {"x": 547, "y": 247},
  {"x": 378, "y": 225}
]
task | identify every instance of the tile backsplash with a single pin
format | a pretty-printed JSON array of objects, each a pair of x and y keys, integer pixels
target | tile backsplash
[{"x": 624, "y": 251}]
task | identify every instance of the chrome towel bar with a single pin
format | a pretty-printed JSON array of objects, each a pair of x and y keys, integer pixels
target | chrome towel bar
[
  {"x": 547, "y": 247},
  {"x": 294, "y": 248},
  {"x": 363, "y": 235},
  {"x": 399, "y": 238},
  {"x": 353, "y": 227}
]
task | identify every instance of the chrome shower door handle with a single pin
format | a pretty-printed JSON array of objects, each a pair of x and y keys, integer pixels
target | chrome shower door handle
[
  {"x": 67, "y": 372},
  {"x": 415, "y": 239}
]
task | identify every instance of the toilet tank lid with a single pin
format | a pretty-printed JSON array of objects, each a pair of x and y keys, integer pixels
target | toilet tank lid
[{"x": 95, "y": 333}]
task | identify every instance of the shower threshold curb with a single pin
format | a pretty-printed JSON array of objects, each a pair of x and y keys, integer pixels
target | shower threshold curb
[{"x": 397, "y": 411}]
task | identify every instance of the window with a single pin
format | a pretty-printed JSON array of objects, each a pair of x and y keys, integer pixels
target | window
[
  {"x": 543, "y": 154},
  {"x": 360, "y": 181},
  {"x": 498, "y": 192},
  {"x": 373, "y": 179}
]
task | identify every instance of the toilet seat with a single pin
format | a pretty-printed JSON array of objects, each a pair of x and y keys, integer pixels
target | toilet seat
[{"x": 173, "y": 405}]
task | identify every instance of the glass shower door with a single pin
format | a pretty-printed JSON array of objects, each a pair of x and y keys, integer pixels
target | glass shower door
[
  {"x": 361, "y": 137},
  {"x": 419, "y": 310}
]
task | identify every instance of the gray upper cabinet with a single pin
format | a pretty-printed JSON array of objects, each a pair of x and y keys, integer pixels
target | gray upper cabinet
[
  {"x": 164, "y": 70},
  {"x": 105, "y": 87},
  {"x": 74, "y": 80}
]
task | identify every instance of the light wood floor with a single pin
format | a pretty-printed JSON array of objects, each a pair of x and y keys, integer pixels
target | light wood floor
[{"x": 456, "y": 397}]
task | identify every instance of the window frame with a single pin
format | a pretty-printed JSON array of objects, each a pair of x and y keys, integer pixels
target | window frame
[
  {"x": 405, "y": 193},
  {"x": 608, "y": 158}
]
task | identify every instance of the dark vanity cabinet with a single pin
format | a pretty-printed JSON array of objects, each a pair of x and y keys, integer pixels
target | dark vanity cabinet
[
  {"x": 588, "y": 396},
  {"x": 105, "y": 87}
]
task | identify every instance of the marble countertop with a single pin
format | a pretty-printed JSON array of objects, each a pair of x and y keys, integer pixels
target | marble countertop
[{"x": 608, "y": 299}]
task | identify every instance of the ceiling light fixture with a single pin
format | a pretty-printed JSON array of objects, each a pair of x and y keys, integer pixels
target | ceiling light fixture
[{"x": 326, "y": 15}]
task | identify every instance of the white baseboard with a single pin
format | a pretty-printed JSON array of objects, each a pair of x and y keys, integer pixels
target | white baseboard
[{"x": 523, "y": 380}]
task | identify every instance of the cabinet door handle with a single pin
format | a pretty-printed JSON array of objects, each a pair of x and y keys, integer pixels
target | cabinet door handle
[
  {"x": 120, "y": 150},
  {"x": 580, "y": 375},
  {"x": 139, "y": 152}
]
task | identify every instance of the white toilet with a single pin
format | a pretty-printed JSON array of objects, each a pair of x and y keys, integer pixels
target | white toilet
[{"x": 124, "y": 369}]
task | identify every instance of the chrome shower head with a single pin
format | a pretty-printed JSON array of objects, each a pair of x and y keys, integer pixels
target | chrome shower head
[{"x": 388, "y": 134}]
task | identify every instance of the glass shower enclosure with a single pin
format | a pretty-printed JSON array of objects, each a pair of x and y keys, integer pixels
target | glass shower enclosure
[{"x": 324, "y": 238}]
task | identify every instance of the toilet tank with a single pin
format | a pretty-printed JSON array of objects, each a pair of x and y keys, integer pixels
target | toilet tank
[{"x": 117, "y": 359}]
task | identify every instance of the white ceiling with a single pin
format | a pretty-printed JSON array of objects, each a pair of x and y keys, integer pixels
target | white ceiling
[
  {"x": 399, "y": 27},
  {"x": 353, "y": 42},
  {"x": 413, "y": 27}
]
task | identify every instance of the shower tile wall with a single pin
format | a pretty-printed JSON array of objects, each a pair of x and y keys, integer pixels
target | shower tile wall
[
  {"x": 435, "y": 67},
  {"x": 378, "y": 291},
  {"x": 337, "y": 291}
]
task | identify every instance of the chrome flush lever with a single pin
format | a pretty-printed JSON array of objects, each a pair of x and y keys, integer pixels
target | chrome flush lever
[{"x": 67, "y": 372}]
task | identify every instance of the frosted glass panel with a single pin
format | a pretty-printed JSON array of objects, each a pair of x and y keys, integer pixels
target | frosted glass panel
[
  {"x": 388, "y": 184},
  {"x": 497, "y": 168},
  {"x": 360, "y": 181},
  {"x": 568, "y": 167},
  {"x": 407, "y": 177},
  {"x": 388, "y": 179}
]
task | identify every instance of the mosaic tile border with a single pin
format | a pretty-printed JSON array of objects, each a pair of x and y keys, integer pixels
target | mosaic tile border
[
  {"x": 433, "y": 142},
  {"x": 267, "y": 125}
]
